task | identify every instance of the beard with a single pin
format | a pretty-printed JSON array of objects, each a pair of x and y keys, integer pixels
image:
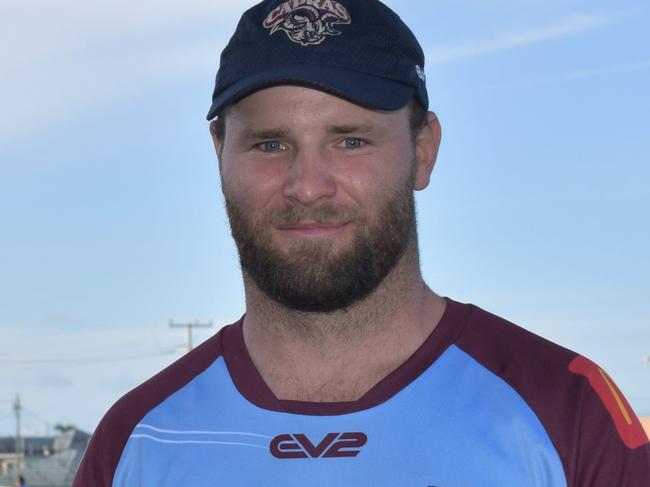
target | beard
[{"x": 312, "y": 276}]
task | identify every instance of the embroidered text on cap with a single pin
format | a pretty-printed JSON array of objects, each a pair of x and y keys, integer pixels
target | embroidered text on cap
[{"x": 307, "y": 22}]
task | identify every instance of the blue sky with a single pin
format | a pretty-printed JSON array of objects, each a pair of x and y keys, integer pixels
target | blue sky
[{"x": 112, "y": 223}]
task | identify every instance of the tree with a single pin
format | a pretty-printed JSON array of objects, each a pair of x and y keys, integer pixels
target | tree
[{"x": 63, "y": 428}]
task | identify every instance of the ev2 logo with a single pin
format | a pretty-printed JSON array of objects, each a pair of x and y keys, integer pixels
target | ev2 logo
[{"x": 334, "y": 445}]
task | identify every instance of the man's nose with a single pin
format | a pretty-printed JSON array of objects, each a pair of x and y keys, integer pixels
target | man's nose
[{"x": 309, "y": 178}]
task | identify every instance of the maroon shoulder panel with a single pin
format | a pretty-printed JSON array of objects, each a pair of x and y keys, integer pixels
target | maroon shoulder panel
[
  {"x": 107, "y": 443},
  {"x": 589, "y": 422}
]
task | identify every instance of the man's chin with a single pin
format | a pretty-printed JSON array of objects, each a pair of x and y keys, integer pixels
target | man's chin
[
  {"x": 333, "y": 242},
  {"x": 315, "y": 251}
]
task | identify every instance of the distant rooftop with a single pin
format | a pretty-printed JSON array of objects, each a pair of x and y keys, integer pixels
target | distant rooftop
[
  {"x": 47, "y": 461},
  {"x": 31, "y": 444},
  {"x": 36, "y": 445}
]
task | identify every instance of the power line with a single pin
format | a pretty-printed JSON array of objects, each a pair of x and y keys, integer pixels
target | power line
[{"x": 80, "y": 360}]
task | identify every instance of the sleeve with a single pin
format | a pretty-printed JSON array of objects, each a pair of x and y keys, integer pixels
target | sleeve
[
  {"x": 104, "y": 451},
  {"x": 102, "y": 455},
  {"x": 599, "y": 440},
  {"x": 610, "y": 445}
]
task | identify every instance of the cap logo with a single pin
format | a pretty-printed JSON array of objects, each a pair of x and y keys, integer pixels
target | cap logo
[
  {"x": 420, "y": 72},
  {"x": 307, "y": 22}
]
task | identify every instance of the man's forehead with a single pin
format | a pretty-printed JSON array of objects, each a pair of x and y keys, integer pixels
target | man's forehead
[{"x": 285, "y": 102}]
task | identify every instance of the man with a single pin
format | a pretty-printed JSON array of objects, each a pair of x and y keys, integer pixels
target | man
[{"x": 347, "y": 370}]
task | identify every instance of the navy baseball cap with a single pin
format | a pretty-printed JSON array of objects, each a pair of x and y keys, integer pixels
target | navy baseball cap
[{"x": 359, "y": 50}]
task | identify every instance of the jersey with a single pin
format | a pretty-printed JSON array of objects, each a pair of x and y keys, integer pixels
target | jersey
[{"x": 481, "y": 402}]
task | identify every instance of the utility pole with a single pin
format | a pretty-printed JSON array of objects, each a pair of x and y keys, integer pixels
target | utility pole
[
  {"x": 188, "y": 330},
  {"x": 19, "y": 441}
]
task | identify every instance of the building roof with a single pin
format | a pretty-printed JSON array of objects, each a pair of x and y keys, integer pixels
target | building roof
[
  {"x": 31, "y": 443},
  {"x": 48, "y": 460},
  {"x": 35, "y": 444}
]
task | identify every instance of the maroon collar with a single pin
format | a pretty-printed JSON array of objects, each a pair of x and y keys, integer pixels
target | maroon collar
[{"x": 251, "y": 385}]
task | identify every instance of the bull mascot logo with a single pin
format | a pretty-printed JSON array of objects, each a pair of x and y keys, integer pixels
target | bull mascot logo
[{"x": 307, "y": 22}]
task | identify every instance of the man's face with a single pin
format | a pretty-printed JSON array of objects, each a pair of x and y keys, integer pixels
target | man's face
[{"x": 319, "y": 193}]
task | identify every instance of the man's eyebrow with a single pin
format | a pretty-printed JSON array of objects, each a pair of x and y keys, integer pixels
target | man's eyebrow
[
  {"x": 277, "y": 133},
  {"x": 350, "y": 129}
]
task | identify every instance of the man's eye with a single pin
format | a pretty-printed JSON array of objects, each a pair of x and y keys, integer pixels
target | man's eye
[
  {"x": 353, "y": 143},
  {"x": 271, "y": 146}
]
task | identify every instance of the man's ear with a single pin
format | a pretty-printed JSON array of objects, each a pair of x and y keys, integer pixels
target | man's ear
[
  {"x": 218, "y": 142},
  {"x": 427, "y": 143}
]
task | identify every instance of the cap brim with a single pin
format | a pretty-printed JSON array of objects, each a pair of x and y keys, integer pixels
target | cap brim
[{"x": 360, "y": 88}]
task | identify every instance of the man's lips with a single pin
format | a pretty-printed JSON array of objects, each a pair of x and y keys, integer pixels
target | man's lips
[{"x": 312, "y": 229}]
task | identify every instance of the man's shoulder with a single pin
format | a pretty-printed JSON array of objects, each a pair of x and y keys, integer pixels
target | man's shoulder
[
  {"x": 511, "y": 351},
  {"x": 537, "y": 369},
  {"x": 113, "y": 431},
  {"x": 548, "y": 376},
  {"x": 130, "y": 408},
  {"x": 587, "y": 418}
]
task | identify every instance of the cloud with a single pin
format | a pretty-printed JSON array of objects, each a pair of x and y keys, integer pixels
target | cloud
[
  {"x": 35, "y": 379},
  {"x": 35, "y": 349},
  {"x": 122, "y": 382},
  {"x": 576, "y": 74},
  {"x": 51, "y": 380},
  {"x": 533, "y": 35},
  {"x": 60, "y": 59}
]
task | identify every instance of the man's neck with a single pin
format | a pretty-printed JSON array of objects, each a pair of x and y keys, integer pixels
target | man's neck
[{"x": 339, "y": 356}]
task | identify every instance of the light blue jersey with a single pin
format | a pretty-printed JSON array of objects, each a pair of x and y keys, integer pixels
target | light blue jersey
[{"x": 448, "y": 417}]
